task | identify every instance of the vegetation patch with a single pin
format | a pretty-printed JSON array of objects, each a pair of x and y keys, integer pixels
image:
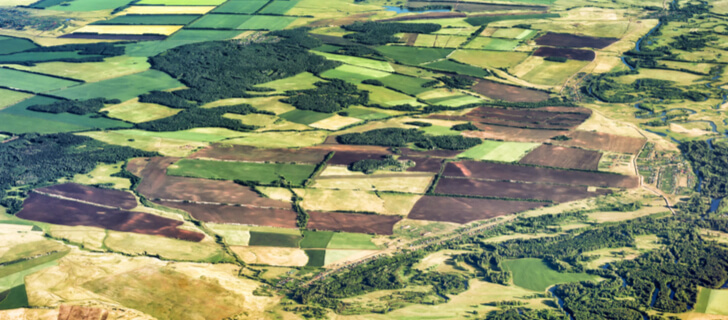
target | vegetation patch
[
  {"x": 536, "y": 275},
  {"x": 316, "y": 239},
  {"x": 270, "y": 239},
  {"x": 259, "y": 173}
]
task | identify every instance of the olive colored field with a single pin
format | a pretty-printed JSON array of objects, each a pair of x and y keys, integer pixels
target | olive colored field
[
  {"x": 356, "y": 201},
  {"x": 137, "y": 244},
  {"x": 354, "y": 74},
  {"x": 412, "y": 55},
  {"x": 553, "y": 73},
  {"x": 280, "y": 139},
  {"x": 712, "y": 301},
  {"x": 459, "y": 68},
  {"x": 90, "y": 5},
  {"x": 499, "y": 151},
  {"x": 489, "y": 59},
  {"x": 241, "y": 6},
  {"x": 220, "y": 21},
  {"x": 264, "y": 173},
  {"x": 408, "y": 85},
  {"x": 345, "y": 240},
  {"x": 91, "y": 71},
  {"x": 301, "y": 81},
  {"x": 360, "y": 62},
  {"x": 534, "y": 274},
  {"x": 387, "y": 97},
  {"x": 157, "y": 19},
  {"x": 279, "y": 7},
  {"x": 128, "y": 29},
  {"x": 181, "y": 2},
  {"x": 168, "y": 9},
  {"x": 10, "y": 97},
  {"x": 495, "y": 44},
  {"x": 137, "y": 112},
  {"x": 316, "y": 239},
  {"x": 304, "y": 116},
  {"x": 102, "y": 174},
  {"x": 172, "y": 144},
  {"x": 122, "y": 88},
  {"x": 11, "y": 45},
  {"x": 274, "y": 239},
  {"x": 270, "y": 23},
  {"x": 440, "y": 41}
]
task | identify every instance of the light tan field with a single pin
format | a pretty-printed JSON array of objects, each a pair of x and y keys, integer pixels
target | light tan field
[
  {"x": 280, "y": 139},
  {"x": 400, "y": 183},
  {"x": 281, "y": 194},
  {"x": 234, "y": 235},
  {"x": 271, "y": 104},
  {"x": 137, "y": 112},
  {"x": 141, "y": 244},
  {"x": 90, "y": 237},
  {"x": 334, "y": 123},
  {"x": 128, "y": 29},
  {"x": 274, "y": 256},
  {"x": 720, "y": 237},
  {"x": 266, "y": 122},
  {"x": 36, "y": 314},
  {"x": 335, "y": 258},
  {"x": 165, "y": 146},
  {"x": 92, "y": 71},
  {"x": 102, "y": 175},
  {"x": 433, "y": 260},
  {"x": 353, "y": 200},
  {"x": 168, "y": 9}
]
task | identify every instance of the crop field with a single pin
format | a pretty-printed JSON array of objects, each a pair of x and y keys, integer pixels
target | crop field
[
  {"x": 181, "y": 2},
  {"x": 335, "y": 122},
  {"x": 440, "y": 41},
  {"x": 221, "y": 151},
  {"x": 408, "y": 85},
  {"x": 604, "y": 141},
  {"x": 71, "y": 213},
  {"x": 412, "y": 55},
  {"x": 273, "y": 239},
  {"x": 32, "y": 82},
  {"x": 563, "y": 157},
  {"x": 264, "y": 173},
  {"x": 489, "y": 59},
  {"x": 507, "y": 92},
  {"x": 272, "y": 256},
  {"x": 281, "y": 218},
  {"x": 356, "y": 201},
  {"x": 573, "y": 41},
  {"x": 711, "y": 301},
  {"x": 343, "y": 240},
  {"x": 122, "y": 88},
  {"x": 464, "y": 210},
  {"x": 220, "y": 21},
  {"x": 242, "y": 6},
  {"x": 515, "y": 190},
  {"x": 553, "y": 73},
  {"x": 90, "y": 5},
  {"x": 316, "y": 239},
  {"x": 494, "y": 44},
  {"x": 279, "y": 7},
  {"x": 304, "y": 116},
  {"x": 35, "y": 57},
  {"x": 359, "y": 62},
  {"x": 270, "y": 23},
  {"x": 14, "y": 298},
  {"x": 104, "y": 197},
  {"x": 456, "y": 67},
  {"x": 344, "y": 157},
  {"x": 129, "y": 29},
  {"x": 456, "y": 101},
  {"x": 385, "y": 97},
  {"x": 352, "y": 222},
  {"x": 168, "y": 9},
  {"x": 534, "y": 274},
  {"x": 280, "y": 139},
  {"x": 147, "y": 19},
  {"x": 301, "y": 81},
  {"x": 10, "y": 97},
  {"x": 410, "y": 183},
  {"x": 354, "y": 74},
  {"x": 513, "y": 33},
  {"x": 138, "y": 112},
  {"x": 187, "y": 36},
  {"x": 137, "y": 244},
  {"x": 12, "y": 45},
  {"x": 91, "y": 71},
  {"x": 500, "y": 171},
  {"x": 574, "y": 54},
  {"x": 499, "y": 151}
]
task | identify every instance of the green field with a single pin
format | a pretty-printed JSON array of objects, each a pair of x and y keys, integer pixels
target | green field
[
  {"x": 553, "y": 73},
  {"x": 387, "y": 97},
  {"x": 534, "y": 274},
  {"x": 219, "y": 21},
  {"x": 181, "y": 2},
  {"x": 150, "y": 19},
  {"x": 271, "y": 239},
  {"x": 316, "y": 258},
  {"x": 9, "y": 281},
  {"x": 301, "y": 81},
  {"x": 345, "y": 240},
  {"x": 489, "y": 59},
  {"x": 440, "y": 41},
  {"x": 354, "y": 74},
  {"x": 90, "y": 5},
  {"x": 279, "y": 7},
  {"x": 35, "y": 57},
  {"x": 270, "y": 23},
  {"x": 32, "y": 82},
  {"x": 495, "y": 44},
  {"x": 366, "y": 113},
  {"x": 514, "y": 33},
  {"x": 408, "y": 85},
  {"x": 240, "y": 6},
  {"x": 122, "y": 88},
  {"x": 14, "y": 298},
  {"x": 712, "y": 301},
  {"x": 10, "y": 97},
  {"x": 456, "y": 101},
  {"x": 499, "y": 151},
  {"x": 188, "y": 36},
  {"x": 412, "y": 55},
  {"x": 280, "y": 139},
  {"x": 459, "y": 68},
  {"x": 12, "y": 45},
  {"x": 360, "y": 62},
  {"x": 316, "y": 239},
  {"x": 304, "y": 116},
  {"x": 264, "y": 173}
]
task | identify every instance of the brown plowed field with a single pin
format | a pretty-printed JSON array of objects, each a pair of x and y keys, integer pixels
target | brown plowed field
[
  {"x": 563, "y": 157},
  {"x": 494, "y": 132},
  {"x": 156, "y": 184},
  {"x": 430, "y": 153},
  {"x": 247, "y": 153},
  {"x": 508, "y": 92},
  {"x": 464, "y": 210},
  {"x": 573, "y": 54},
  {"x": 271, "y": 217},
  {"x": 428, "y": 15},
  {"x": 501, "y": 171},
  {"x": 514, "y": 190},
  {"x": 462, "y": 6},
  {"x": 106, "y": 197},
  {"x": 52, "y": 210},
  {"x": 67, "y": 312},
  {"x": 529, "y": 118},
  {"x": 573, "y": 41},
  {"x": 352, "y": 222},
  {"x": 424, "y": 164},
  {"x": 410, "y": 38},
  {"x": 603, "y": 141},
  {"x": 136, "y": 165}
]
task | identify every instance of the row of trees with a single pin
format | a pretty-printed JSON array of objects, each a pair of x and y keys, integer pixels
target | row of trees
[
  {"x": 327, "y": 97},
  {"x": 379, "y": 33},
  {"x": 200, "y": 117},
  {"x": 397, "y": 137},
  {"x": 79, "y": 107}
]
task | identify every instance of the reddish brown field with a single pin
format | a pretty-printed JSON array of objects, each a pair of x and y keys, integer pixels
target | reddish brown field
[
  {"x": 506, "y": 172},
  {"x": 67, "y": 312},
  {"x": 156, "y": 184},
  {"x": 424, "y": 164},
  {"x": 52, "y": 210},
  {"x": 603, "y": 141},
  {"x": 271, "y": 217},
  {"x": 253, "y": 154},
  {"x": 555, "y": 118},
  {"x": 508, "y": 92},
  {"x": 352, "y": 222},
  {"x": 514, "y": 190},
  {"x": 105, "y": 197},
  {"x": 428, "y": 15},
  {"x": 136, "y": 165},
  {"x": 430, "y": 153},
  {"x": 573, "y": 41},
  {"x": 563, "y": 157},
  {"x": 494, "y": 132},
  {"x": 464, "y": 210},
  {"x": 573, "y": 54}
]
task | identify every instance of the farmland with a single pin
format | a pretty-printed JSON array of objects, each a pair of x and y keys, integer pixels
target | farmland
[
  {"x": 537, "y": 276},
  {"x": 261, "y": 173}
]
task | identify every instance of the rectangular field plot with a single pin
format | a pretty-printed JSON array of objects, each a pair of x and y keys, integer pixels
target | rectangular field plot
[
  {"x": 504, "y": 172},
  {"x": 128, "y": 29},
  {"x": 32, "y": 82},
  {"x": 279, "y": 6},
  {"x": 301, "y": 81},
  {"x": 514, "y": 33},
  {"x": 345, "y": 240},
  {"x": 265, "y": 173},
  {"x": 604, "y": 141},
  {"x": 168, "y": 9},
  {"x": 499, "y": 151},
  {"x": 106, "y": 197},
  {"x": 408, "y": 85},
  {"x": 137, "y": 112},
  {"x": 387, "y": 97},
  {"x": 246, "y": 153},
  {"x": 712, "y": 301},
  {"x": 316, "y": 239},
  {"x": 150, "y": 19},
  {"x": 514, "y": 190},
  {"x": 90, "y": 5},
  {"x": 409, "y": 182},
  {"x": 357, "y": 201},
  {"x": 459, "y": 68},
  {"x": 10, "y": 97},
  {"x": 270, "y": 23},
  {"x": 536, "y": 275},
  {"x": 36, "y": 57},
  {"x": 563, "y": 157},
  {"x": 354, "y": 74},
  {"x": 334, "y": 122},
  {"x": 412, "y": 55},
  {"x": 181, "y": 2},
  {"x": 573, "y": 41},
  {"x": 12, "y": 45},
  {"x": 281, "y": 218},
  {"x": 456, "y": 101},
  {"x": 274, "y": 239},
  {"x": 489, "y": 59},
  {"x": 360, "y": 62},
  {"x": 220, "y": 21},
  {"x": 552, "y": 73},
  {"x": 439, "y": 40},
  {"x": 464, "y": 210},
  {"x": 495, "y": 44},
  {"x": 241, "y": 6},
  {"x": 352, "y": 222},
  {"x": 122, "y": 88}
]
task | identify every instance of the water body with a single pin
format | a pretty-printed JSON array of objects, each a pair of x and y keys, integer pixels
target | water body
[
  {"x": 672, "y": 292},
  {"x": 624, "y": 282},
  {"x": 399, "y": 10},
  {"x": 654, "y": 297},
  {"x": 661, "y": 134},
  {"x": 560, "y": 301},
  {"x": 638, "y": 43}
]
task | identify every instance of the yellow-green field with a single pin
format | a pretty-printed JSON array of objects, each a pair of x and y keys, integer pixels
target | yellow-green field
[
  {"x": 137, "y": 112},
  {"x": 355, "y": 200},
  {"x": 91, "y": 71},
  {"x": 106, "y": 29},
  {"x": 168, "y": 9}
]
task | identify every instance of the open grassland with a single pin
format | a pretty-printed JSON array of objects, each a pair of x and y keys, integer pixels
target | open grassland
[
  {"x": 273, "y": 256},
  {"x": 122, "y": 88},
  {"x": 412, "y": 55},
  {"x": 553, "y": 73},
  {"x": 32, "y": 82},
  {"x": 681, "y": 78},
  {"x": 10, "y": 97},
  {"x": 90, "y": 237},
  {"x": 335, "y": 122},
  {"x": 280, "y": 139},
  {"x": 354, "y": 74},
  {"x": 534, "y": 274},
  {"x": 264, "y": 173},
  {"x": 102, "y": 175},
  {"x": 387, "y": 97},
  {"x": 129, "y": 29},
  {"x": 172, "y": 147},
  {"x": 137, "y": 112},
  {"x": 301, "y": 81},
  {"x": 360, "y": 62},
  {"x": 24, "y": 250},
  {"x": 499, "y": 151},
  {"x": 494, "y": 44},
  {"x": 270, "y": 23},
  {"x": 140, "y": 244},
  {"x": 354, "y": 200},
  {"x": 271, "y": 104},
  {"x": 345, "y": 240},
  {"x": 712, "y": 301},
  {"x": 91, "y": 71},
  {"x": 275, "y": 193},
  {"x": 336, "y": 256},
  {"x": 168, "y": 9},
  {"x": 234, "y": 235},
  {"x": 513, "y": 33}
]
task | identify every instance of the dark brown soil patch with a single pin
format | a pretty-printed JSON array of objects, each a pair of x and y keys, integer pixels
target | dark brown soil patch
[
  {"x": 514, "y": 190},
  {"x": 563, "y": 157},
  {"x": 247, "y": 153},
  {"x": 424, "y": 164},
  {"x": 38, "y": 207},
  {"x": 106, "y": 197},
  {"x": 524, "y": 118},
  {"x": 430, "y": 153},
  {"x": 495, "y": 132},
  {"x": 603, "y": 141},
  {"x": 464, "y": 210},
  {"x": 352, "y": 222},
  {"x": 271, "y": 217},
  {"x": 348, "y": 157},
  {"x": 428, "y": 15},
  {"x": 507, "y": 92},
  {"x": 573, "y": 54},
  {"x": 506, "y": 172},
  {"x": 573, "y": 41}
]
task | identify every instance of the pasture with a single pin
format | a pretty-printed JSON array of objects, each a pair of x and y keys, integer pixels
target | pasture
[
  {"x": 495, "y": 44},
  {"x": 387, "y": 97},
  {"x": 316, "y": 239},
  {"x": 439, "y": 41},
  {"x": 354, "y": 74},
  {"x": 91, "y": 71},
  {"x": 266, "y": 122},
  {"x": 360, "y": 62},
  {"x": 489, "y": 59},
  {"x": 270, "y": 23},
  {"x": 219, "y": 21},
  {"x": 264, "y": 173},
  {"x": 90, "y": 5},
  {"x": 456, "y": 67},
  {"x": 534, "y": 274},
  {"x": 343, "y": 240},
  {"x": 123, "y": 88},
  {"x": 137, "y": 112},
  {"x": 513, "y": 33},
  {"x": 10, "y": 97},
  {"x": 552, "y": 73},
  {"x": 499, "y": 151},
  {"x": 408, "y": 85},
  {"x": 712, "y": 301},
  {"x": 168, "y": 9},
  {"x": 279, "y": 7},
  {"x": 301, "y": 81},
  {"x": 413, "y": 55},
  {"x": 150, "y": 19},
  {"x": 102, "y": 174},
  {"x": 32, "y": 82},
  {"x": 274, "y": 239},
  {"x": 244, "y": 6},
  {"x": 316, "y": 258},
  {"x": 12, "y": 45},
  {"x": 304, "y": 116},
  {"x": 280, "y": 139}
]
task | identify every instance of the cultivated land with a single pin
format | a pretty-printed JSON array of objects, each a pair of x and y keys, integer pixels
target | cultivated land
[{"x": 209, "y": 159}]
